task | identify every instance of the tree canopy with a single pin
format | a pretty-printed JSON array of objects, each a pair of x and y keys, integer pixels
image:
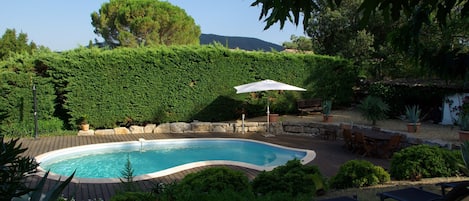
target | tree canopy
[
  {"x": 11, "y": 43},
  {"x": 133, "y": 23},
  {"x": 337, "y": 32},
  {"x": 420, "y": 23},
  {"x": 299, "y": 43}
]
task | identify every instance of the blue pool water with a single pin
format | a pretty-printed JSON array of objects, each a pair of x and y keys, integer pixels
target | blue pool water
[{"x": 157, "y": 155}]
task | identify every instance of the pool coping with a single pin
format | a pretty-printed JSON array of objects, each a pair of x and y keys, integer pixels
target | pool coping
[{"x": 310, "y": 156}]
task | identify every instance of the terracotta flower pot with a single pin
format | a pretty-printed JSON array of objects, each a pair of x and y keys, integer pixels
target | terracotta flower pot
[
  {"x": 327, "y": 118},
  {"x": 463, "y": 135},
  {"x": 273, "y": 117},
  {"x": 413, "y": 127},
  {"x": 85, "y": 127}
]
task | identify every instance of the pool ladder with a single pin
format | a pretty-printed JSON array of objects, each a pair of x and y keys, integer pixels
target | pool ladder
[{"x": 141, "y": 140}]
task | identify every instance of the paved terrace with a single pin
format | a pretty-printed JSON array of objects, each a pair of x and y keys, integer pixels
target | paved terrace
[{"x": 330, "y": 155}]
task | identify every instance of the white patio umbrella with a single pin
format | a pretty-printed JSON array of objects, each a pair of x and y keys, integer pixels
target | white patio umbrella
[{"x": 266, "y": 85}]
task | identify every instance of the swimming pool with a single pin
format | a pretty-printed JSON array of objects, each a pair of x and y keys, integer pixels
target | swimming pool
[{"x": 154, "y": 158}]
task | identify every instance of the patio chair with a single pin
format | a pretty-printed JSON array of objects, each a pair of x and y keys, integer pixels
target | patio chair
[
  {"x": 364, "y": 146},
  {"x": 391, "y": 146},
  {"x": 459, "y": 192},
  {"x": 329, "y": 135},
  {"x": 342, "y": 198},
  {"x": 348, "y": 139}
]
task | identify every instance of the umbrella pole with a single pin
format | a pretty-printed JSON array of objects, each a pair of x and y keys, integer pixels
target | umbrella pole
[{"x": 268, "y": 114}]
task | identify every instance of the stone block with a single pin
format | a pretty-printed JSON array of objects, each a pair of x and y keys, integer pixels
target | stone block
[
  {"x": 257, "y": 129},
  {"x": 201, "y": 127},
  {"x": 136, "y": 129},
  {"x": 149, "y": 128},
  {"x": 221, "y": 128},
  {"x": 121, "y": 131},
  {"x": 311, "y": 130},
  {"x": 85, "y": 133},
  {"x": 163, "y": 128},
  {"x": 180, "y": 127},
  {"x": 293, "y": 129},
  {"x": 249, "y": 124},
  {"x": 104, "y": 132}
]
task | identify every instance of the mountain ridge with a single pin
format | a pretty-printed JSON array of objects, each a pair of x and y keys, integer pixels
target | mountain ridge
[{"x": 244, "y": 43}]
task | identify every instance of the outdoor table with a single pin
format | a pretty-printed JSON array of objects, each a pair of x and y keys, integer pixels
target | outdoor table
[
  {"x": 409, "y": 194},
  {"x": 375, "y": 138},
  {"x": 445, "y": 185},
  {"x": 342, "y": 198}
]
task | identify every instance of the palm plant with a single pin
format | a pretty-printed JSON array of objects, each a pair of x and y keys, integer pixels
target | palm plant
[{"x": 373, "y": 109}]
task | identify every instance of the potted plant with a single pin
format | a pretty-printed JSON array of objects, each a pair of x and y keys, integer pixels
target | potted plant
[
  {"x": 463, "y": 123},
  {"x": 373, "y": 109},
  {"x": 84, "y": 125},
  {"x": 326, "y": 110},
  {"x": 412, "y": 115}
]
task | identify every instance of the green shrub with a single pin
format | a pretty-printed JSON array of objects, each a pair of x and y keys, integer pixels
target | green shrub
[
  {"x": 359, "y": 173},
  {"x": 398, "y": 96},
  {"x": 208, "y": 184},
  {"x": 133, "y": 196},
  {"x": 229, "y": 195},
  {"x": 293, "y": 178},
  {"x": 50, "y": 125},
  {"x": 214, "y": 179},
  {"x": 424, "y": 161}
]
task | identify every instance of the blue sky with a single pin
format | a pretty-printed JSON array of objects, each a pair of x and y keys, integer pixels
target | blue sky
[{"x": 63, "y": 24}]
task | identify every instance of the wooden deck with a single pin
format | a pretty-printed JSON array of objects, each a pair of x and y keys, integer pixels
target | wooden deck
[{"x": 330, "y": 155}]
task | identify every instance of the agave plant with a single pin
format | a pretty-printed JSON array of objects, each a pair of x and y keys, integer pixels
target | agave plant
[
  {"x": 326, "y": 107},
  {"x": 465, "y": 157},
  {"x": 51, "y": 195},
  {"x": 14, "y": 168},
  {"x": 412, "y": 113}
]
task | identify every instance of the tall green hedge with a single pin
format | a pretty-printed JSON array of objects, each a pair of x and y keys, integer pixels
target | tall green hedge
[
  {"x": 180, "y": 83},
  {"x": 17, "y": 77}
]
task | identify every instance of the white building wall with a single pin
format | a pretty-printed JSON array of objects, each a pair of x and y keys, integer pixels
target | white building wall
[{"x": 448, "y": 116}]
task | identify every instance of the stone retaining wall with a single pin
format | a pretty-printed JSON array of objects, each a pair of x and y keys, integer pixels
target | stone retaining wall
[
  {"x": 277, "y": 128},
  {"x": 183, "y": 127}
]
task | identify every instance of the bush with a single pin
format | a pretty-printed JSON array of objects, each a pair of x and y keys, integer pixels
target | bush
[
  {"x": 215, "y": 179},
  {"x": 359, "y": 173},
  {"x": 209, "y": 184},
  {"x": 293, "y": 178},
  {"x": 133, "y": 196},
  {"x": 424, "y": 161}
]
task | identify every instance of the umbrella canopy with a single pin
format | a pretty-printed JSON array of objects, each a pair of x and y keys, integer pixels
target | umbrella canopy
[{"x": 266, "y": 85}]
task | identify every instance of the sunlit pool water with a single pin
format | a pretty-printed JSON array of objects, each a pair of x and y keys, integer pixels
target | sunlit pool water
[{"x": 150, "y": 156}]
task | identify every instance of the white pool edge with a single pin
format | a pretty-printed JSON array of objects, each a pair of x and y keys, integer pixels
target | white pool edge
[{"x": 310, "y": 156}]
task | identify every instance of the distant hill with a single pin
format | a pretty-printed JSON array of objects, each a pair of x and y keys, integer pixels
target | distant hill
[{"x": 244, "y": 43}]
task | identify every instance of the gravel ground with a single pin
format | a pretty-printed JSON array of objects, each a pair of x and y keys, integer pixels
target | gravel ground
[{"x": 428, "y": 130}]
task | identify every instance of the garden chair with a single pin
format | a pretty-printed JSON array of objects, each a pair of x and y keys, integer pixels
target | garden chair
[
  {"x": 459, "y": 192},
  {"x": 365, "y": 146},
  {"x": 329, "y": 135},
  {"x": 348, "y": 139},
  {"x": 342, "y": 198},
  {"x": 391, "y": 146}
]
